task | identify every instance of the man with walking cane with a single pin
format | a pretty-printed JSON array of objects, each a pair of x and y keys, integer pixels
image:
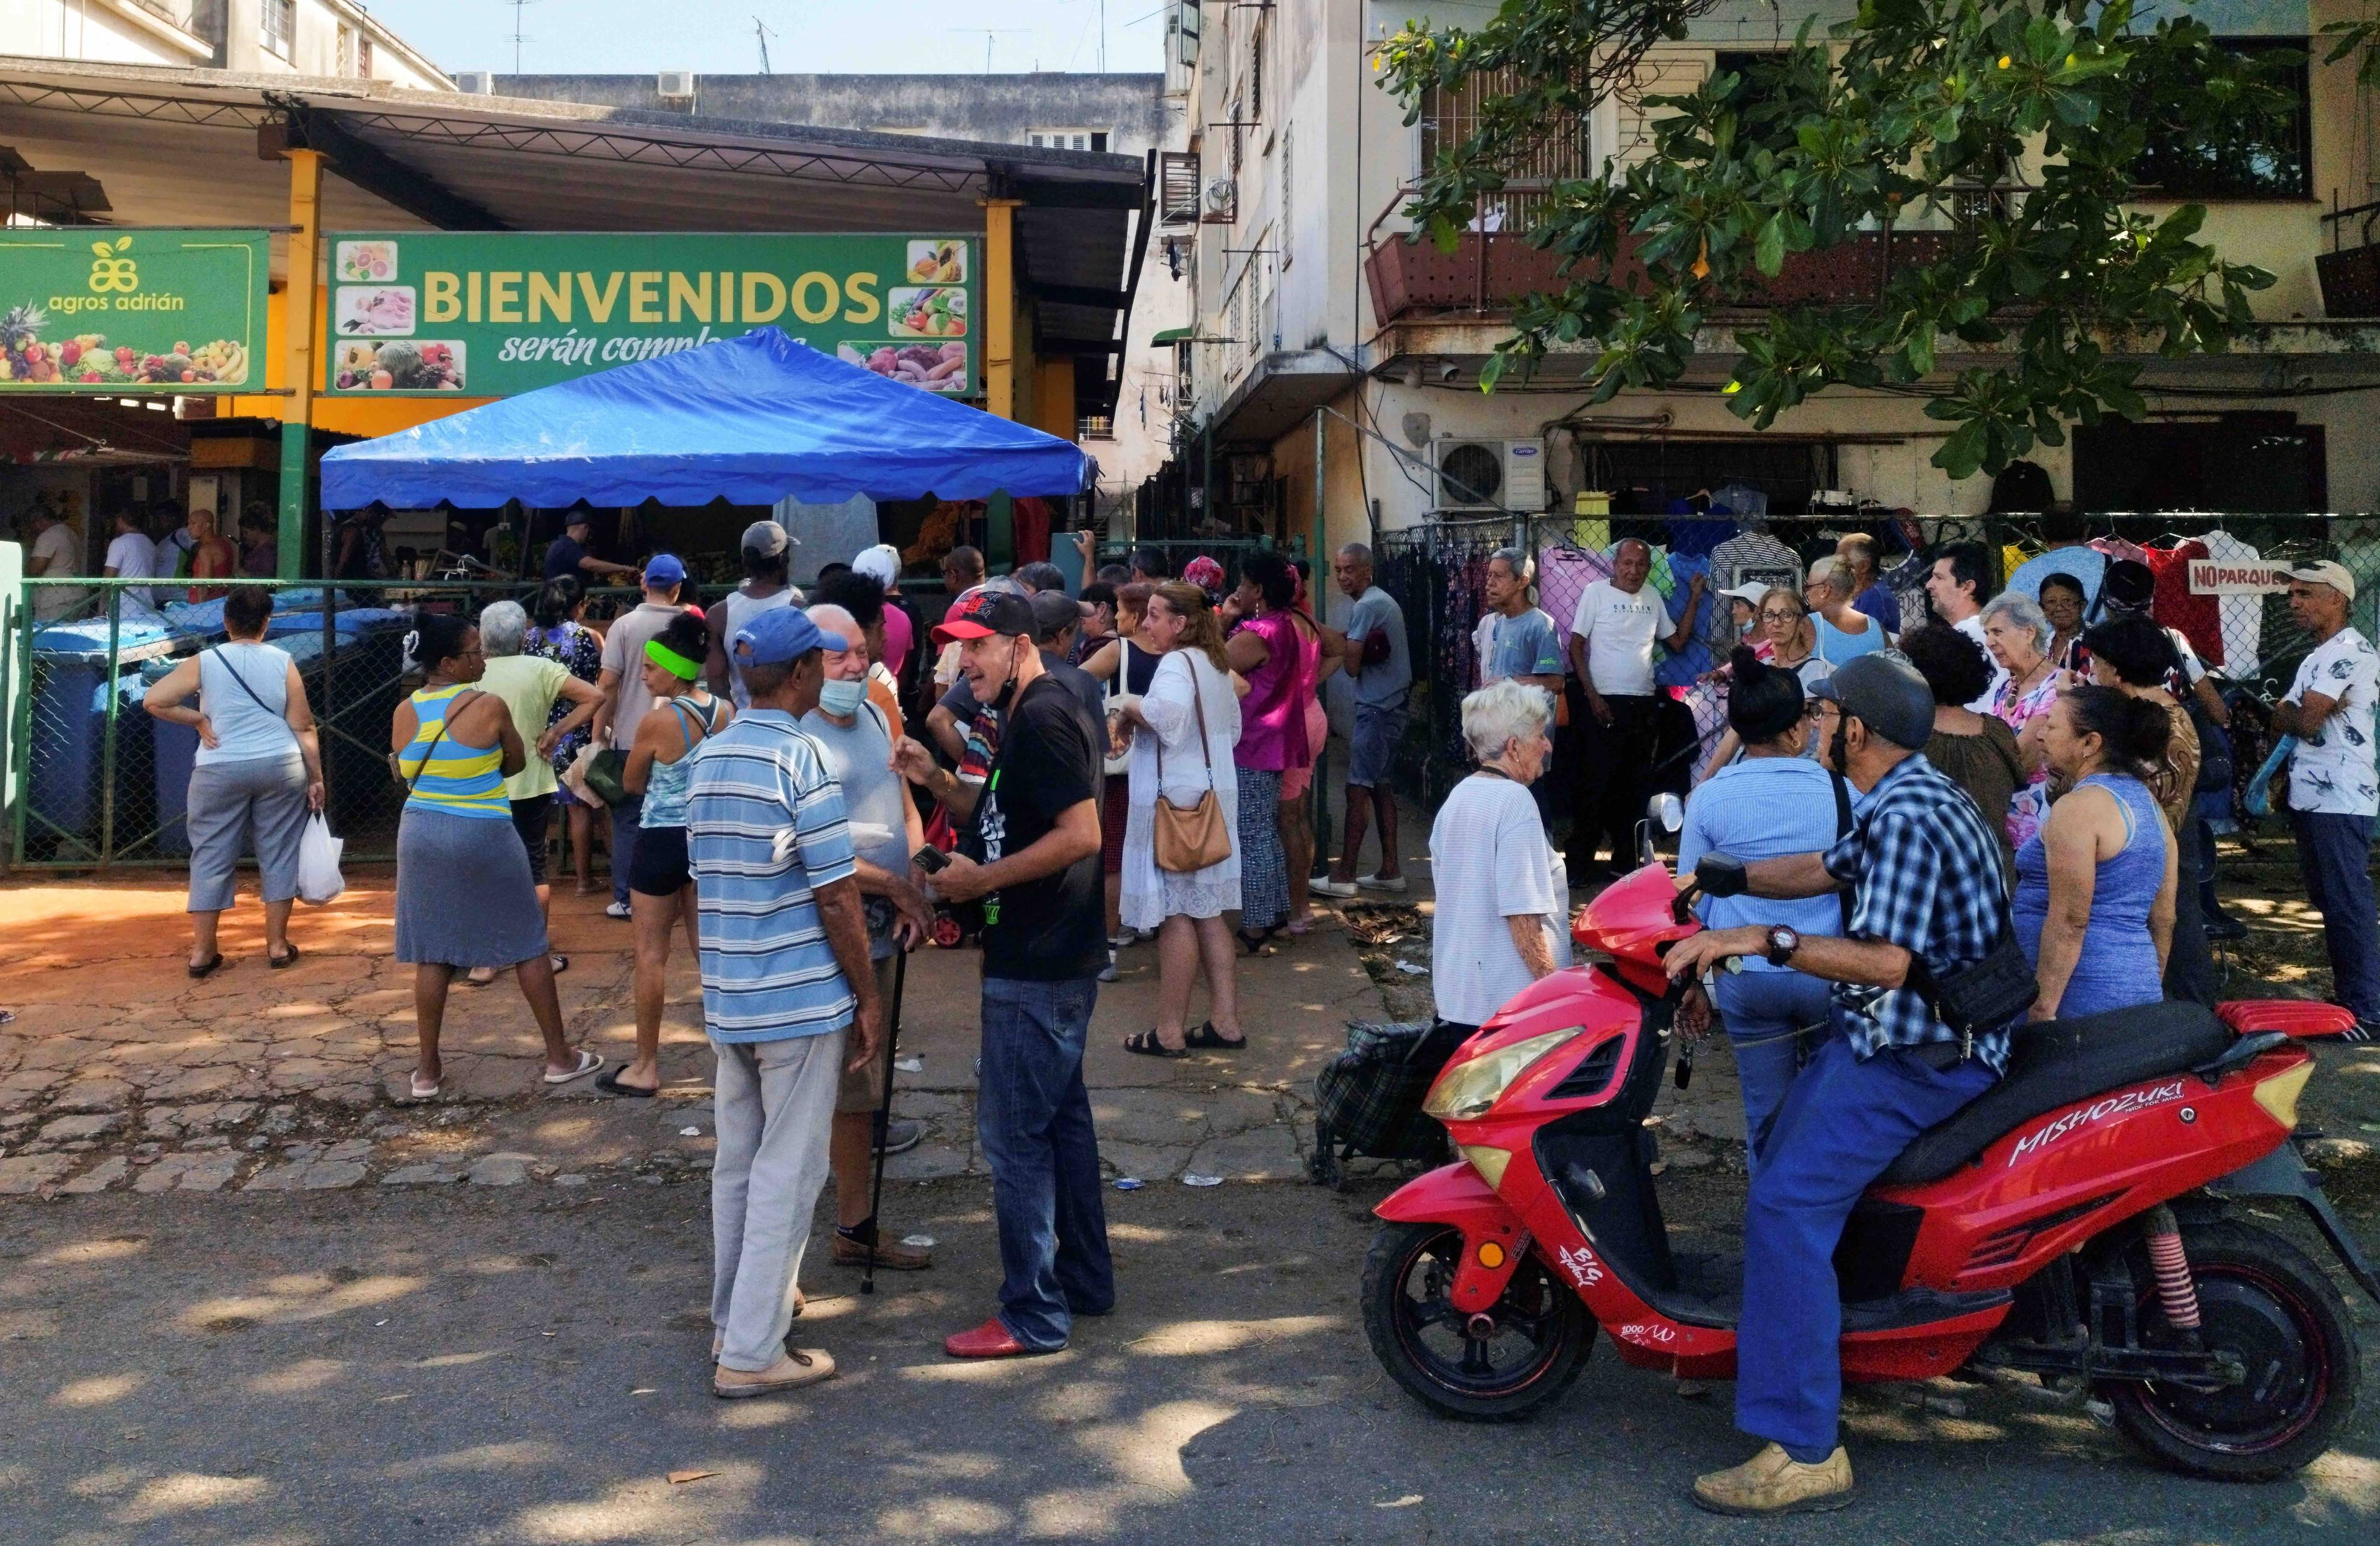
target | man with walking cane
[{"x": 855, "y": 742}]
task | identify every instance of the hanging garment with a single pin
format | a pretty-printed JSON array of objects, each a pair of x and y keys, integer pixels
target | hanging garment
[
  {"x": 2243, "y": 616},
  {"x": 2176, "y": 605},
  {"x": 1698, "y": 538},
  {"x": 1563, "y": 575},
  {"x": 1754, "y": 555},
  {"x": 1680, "y": 670},
  {"x": 2119, "y": 547}
]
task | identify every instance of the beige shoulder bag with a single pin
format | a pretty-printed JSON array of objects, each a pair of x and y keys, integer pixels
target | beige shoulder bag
[{"x": 1193, "y": 839}]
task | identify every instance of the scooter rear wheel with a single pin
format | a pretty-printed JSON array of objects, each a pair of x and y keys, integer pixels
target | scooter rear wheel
[
  {"x": 1537, "y": 1333},
  {"x": 2263, "y": 1300}
]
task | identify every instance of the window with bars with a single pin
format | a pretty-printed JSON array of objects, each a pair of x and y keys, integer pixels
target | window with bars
[
  {"x": 276, "y": 27},
  {"x": 1255, "y": 73},
  {"x": 1450, "y": 118},
  {"x": 1068, "y": 139}
]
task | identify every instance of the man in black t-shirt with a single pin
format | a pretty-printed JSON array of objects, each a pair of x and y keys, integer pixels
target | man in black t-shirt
[{"x": 1030, "y": 853}]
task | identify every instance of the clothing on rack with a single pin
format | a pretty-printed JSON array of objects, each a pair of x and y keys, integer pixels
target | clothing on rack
[
  {"x": 1754, "y": 555},
  {"x": 2177, "y": 606}
]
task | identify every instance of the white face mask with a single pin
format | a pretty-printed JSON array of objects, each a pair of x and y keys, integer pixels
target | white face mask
[{"x": 842, "y": 699}]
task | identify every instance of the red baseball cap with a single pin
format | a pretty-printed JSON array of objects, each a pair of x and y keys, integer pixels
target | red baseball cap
[{"x": 981, "y": 613}]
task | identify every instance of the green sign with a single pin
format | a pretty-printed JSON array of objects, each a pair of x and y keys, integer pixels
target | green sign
[
  {"x": 103, "y": 309},
  {"x": 488, "y": 315}
]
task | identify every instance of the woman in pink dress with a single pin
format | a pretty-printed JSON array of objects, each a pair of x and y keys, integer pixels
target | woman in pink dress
[{"x": 2017, "y": 635}]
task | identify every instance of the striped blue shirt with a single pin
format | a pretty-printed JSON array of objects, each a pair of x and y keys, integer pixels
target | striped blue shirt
[{"x": 768, "y": 972}]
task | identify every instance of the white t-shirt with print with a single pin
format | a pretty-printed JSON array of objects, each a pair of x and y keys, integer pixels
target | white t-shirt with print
[
  {"x": 1489, "y": 860},
  {"x": 2331, "y": 772},
  {"x": 1619, "y": 630}
]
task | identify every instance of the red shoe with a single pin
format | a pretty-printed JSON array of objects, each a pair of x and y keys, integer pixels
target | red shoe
[{"x": 990, "y": 1340}]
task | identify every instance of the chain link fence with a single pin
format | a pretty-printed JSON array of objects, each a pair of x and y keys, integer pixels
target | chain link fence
[
  {"x": 2247, "y": 639},
  {"x": 105, "y": 783}
]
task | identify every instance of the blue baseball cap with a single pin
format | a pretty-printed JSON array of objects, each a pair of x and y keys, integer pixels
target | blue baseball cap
[
  {"x": 779, "y": 633},
  {"x": 663, "y": 568}
]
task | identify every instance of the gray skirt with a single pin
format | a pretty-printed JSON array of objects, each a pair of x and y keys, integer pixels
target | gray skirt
[{"x": 464, "y": 895}]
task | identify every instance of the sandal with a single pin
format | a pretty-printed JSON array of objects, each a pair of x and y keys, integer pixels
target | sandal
[
  {"x": 610, "y": 1085},
  {"x": 1147, "y": 1045},
  {"x": 588, "y": 1061},
  {"x": 1259, "y": 943},
  {"x": 561, "y": 963},
  {"x": 425, "y": 1092},
  {"x": 282, "y": 963},
  {"x": 473, "y": 979},
  {"x": 1206, "y": 1038},
  {"x": 207, "y": 968}
]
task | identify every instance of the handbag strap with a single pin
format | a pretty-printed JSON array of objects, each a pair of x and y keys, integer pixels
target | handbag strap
[
  {"x": 224, "y": 661},
  {"x": 1199, "y": 706},
  {"x": 1842, "y": 830},
  {"x": 413, "y": 785}
]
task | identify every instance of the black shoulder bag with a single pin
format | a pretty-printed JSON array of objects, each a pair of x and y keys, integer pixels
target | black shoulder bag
[{"x": 1986, "y": 996}]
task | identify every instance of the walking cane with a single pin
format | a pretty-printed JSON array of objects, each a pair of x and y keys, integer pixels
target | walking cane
[{"x": 883, "y": 1130}]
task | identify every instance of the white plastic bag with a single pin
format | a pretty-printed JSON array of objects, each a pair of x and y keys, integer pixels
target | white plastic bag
[{"x": 319, "y": 880}]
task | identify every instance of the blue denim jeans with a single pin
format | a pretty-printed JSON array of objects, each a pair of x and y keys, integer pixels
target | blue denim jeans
[
  {"x": 1764, "y": 1010},
  {"x": 2334, "y": 853},
  {"x": 1033, "y": 1117},
  {"x": 1842, "y": 1124}
]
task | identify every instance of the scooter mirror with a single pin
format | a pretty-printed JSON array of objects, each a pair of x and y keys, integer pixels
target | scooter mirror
[
  {"x": 1667, "y": 812},
  {"x": 1721, "y": 875}
]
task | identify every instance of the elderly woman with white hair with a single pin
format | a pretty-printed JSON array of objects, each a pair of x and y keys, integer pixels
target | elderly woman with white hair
[
  {"x": 1502, "y": 894},
  {"x": 1844, "y": 632},
  {"x": 2017, "y": 635},
  {"x": 530, "y": 685}
]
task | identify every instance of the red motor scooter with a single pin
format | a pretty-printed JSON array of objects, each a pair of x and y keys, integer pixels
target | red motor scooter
[{"x": 2081, "y": 1221}]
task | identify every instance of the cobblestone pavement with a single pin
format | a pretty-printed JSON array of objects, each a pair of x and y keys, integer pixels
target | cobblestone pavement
[{"x": 121, "y": 1073}]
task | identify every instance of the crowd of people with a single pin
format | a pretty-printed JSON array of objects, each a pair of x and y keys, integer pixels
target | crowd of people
[
  {"x": 1126, "y": 761},
  {"x": 2008, "y": 789},
  {"x": 192, "y": 552}
]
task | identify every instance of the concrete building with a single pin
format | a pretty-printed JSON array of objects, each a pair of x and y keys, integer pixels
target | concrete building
[
  {"x": 1110, "y": 114},
  {"x": 313, "y": 38},
  {"x": 1308, "y": 297}
]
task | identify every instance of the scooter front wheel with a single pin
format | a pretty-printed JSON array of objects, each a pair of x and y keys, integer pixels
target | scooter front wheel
[{"x": 1498, "y": 1367}]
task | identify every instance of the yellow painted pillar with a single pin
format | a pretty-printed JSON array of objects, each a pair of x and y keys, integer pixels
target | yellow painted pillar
[
  {"x": 999, "y": 393},
  {"x": 298, "y": 332},
  {"x": 1053, "y": 395}
]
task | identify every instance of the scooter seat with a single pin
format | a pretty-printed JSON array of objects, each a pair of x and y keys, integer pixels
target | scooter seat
[{"x": 2059, "y": 1063}]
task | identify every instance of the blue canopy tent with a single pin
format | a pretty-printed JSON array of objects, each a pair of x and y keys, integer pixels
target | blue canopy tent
[{"x": 752, "y": 419}]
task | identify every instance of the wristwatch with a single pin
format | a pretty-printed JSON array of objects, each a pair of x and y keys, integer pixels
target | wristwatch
[{"x": 1782, "y": 942}]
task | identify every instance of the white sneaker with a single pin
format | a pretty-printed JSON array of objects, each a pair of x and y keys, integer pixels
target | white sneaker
[
  {"x": 1375, "y": 882},
  {"x": 620, "y": 910},
  {"x": 1108, "y": 973},
  {"x": 1331, "y": 888}
]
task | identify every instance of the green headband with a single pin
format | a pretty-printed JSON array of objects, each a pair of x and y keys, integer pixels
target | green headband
[{"x": 669, "y": 660}]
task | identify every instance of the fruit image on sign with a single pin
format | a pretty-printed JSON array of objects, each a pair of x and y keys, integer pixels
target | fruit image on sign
[
  {"x": 180, "y": 310},
  {"x": 363, "y": 261},
  {"x": 399, "y": 365},
  {"x": 939, "y": 261},
  {"x": 935, "y": 313}
]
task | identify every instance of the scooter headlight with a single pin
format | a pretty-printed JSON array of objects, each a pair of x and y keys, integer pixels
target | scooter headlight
[{"x": 1469, "y": 1088}]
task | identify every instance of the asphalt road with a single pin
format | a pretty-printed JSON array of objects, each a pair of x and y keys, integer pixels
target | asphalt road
[{"x": 471, "y": 1365}]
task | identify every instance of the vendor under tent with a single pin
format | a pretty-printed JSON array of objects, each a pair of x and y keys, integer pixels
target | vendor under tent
[{"x": 752, "y": 419}]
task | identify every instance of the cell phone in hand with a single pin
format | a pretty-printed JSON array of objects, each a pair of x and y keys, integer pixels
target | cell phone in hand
[{"x": 930, "y": 859}]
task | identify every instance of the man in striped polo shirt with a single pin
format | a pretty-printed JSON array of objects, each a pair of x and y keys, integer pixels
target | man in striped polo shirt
[{"x": 784, "y": 975}]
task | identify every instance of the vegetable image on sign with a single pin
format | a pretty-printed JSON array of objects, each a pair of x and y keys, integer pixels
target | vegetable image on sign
[
  {"x": 100, "y": 316},
  {"x": 526, "y": 309}
]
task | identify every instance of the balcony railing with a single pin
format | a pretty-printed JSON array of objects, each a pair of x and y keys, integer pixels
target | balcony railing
[{"x": 1486, "y": 272}]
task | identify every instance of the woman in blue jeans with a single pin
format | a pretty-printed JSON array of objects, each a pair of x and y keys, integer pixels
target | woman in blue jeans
[{"x": 1770, "y": 802}]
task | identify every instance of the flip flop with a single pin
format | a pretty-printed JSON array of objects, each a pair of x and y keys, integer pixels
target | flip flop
[
  {"x": 207, "y": 968},
  {"x": 413, "y": 1084},
  {"x": 610, "y": 1085},
  {"x": 471, "y": 981},
  {"x": 588, "y": 1061},
  {"x": 1259, "y": 943},
  {"x": 561, "y": 964},
  {"x": 280, "y": 963},
  {"x": 1147, "y": 1045}
]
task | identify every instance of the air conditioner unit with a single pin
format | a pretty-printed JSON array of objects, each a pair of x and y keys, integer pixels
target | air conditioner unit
[
  {"x": 1221, "y": 194},
  {"x": 1490, "y": 474},
  {"x": 677, "y": 85},
  {"x": 476, "y": 83}
]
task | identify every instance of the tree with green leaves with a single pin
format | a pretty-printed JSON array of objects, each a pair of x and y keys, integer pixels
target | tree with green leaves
[{"x": 2024, "y": 128}]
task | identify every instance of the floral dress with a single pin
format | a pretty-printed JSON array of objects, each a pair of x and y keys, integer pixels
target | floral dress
[
  {"x": 2029, "y": 807},
  {"x": 580, "y": 653}
]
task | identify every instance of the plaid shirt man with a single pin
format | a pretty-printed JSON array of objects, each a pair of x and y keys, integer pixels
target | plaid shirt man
[{"x": 1927, "y": 876}]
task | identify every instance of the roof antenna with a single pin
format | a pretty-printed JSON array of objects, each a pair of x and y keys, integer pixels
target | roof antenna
[
  {"x": 518, "y": 7},
  {"x": 763, "y": 34}
]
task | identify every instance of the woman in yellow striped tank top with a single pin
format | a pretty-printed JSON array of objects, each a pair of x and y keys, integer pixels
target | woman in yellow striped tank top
[{"x": 465, "y": 898}]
